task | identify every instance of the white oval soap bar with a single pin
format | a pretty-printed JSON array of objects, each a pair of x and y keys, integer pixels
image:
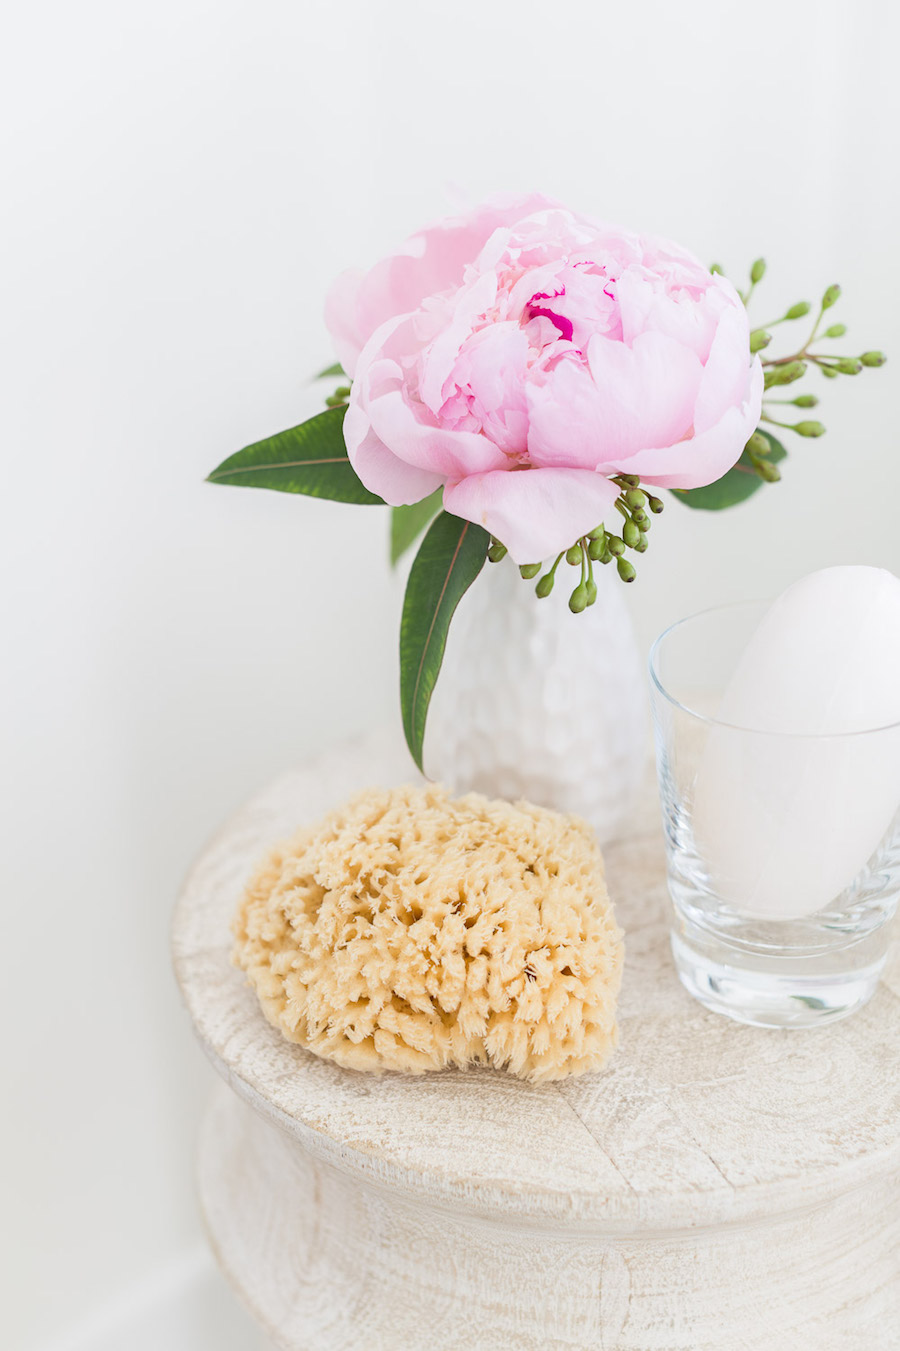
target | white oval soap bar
[{"x": 788, "y": 813}]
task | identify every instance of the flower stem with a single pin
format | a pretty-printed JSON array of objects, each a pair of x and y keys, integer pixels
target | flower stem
[{"x": 764, "y": 417}]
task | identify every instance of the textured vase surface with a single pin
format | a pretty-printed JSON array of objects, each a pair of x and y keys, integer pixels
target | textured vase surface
[{"x": 535, "y": 702}]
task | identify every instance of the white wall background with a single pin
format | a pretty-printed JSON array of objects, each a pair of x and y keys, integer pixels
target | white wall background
[{"x": 182, "y": 179}]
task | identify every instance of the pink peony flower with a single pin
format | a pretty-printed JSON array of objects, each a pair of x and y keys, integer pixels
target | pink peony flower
[{"x": 521, "y": 355}]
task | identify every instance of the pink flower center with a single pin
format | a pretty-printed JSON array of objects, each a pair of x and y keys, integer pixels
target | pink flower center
[{"x": 560, "y": 322}]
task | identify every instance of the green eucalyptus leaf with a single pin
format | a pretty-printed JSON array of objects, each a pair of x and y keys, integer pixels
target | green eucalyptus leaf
[
  {"x": 407, "y": 523},
  {"x": 736, "y": 486},
  {"x": 450, "y": 557},
  {"x": 310, "y": 459},
  {"x": 336, "y": 369}
]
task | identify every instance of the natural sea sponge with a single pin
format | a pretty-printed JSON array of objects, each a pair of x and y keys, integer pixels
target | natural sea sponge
[{"x": 410, "y": 931}]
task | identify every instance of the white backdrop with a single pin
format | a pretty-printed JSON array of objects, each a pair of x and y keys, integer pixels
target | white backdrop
[{"x": 182, "y": 180}]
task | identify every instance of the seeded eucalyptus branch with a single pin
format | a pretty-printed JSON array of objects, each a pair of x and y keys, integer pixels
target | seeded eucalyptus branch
[
  {"x": 599, "y": 546},
  {"x": 785, "y": 370},
  {"x": 758, "y": 463}
]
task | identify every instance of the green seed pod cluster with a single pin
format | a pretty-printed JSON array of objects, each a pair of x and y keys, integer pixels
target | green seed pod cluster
[
  {"x": 786, "y": 374},
  {"x": 768, "y": 472},
  {"x": 785, "y": 370},
  {"x": 339, "y": 397},
  {"x": 631, "y": 533},
  {"x": 578, "y": 600},
  {"x": 600, "y": 545}
]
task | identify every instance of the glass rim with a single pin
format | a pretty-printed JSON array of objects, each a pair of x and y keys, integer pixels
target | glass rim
[{"x": 656, "y": 682}]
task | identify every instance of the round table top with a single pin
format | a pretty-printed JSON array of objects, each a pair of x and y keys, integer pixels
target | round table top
[{"x": 697, "y": 1120}]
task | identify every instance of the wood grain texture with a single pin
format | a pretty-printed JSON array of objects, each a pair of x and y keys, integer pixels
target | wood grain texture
[
  {"x": 714, "y": 1171},
  {"x": 327, "y": 1263}
]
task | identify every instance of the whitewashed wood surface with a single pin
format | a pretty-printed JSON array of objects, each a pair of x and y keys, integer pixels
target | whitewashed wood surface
[
  {"x": 700, "y": 1133},
  {"x": 328, "y": 1262}
]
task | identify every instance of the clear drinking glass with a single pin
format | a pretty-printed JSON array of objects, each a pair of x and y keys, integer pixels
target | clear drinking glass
[{"x": 783, "y": 849}]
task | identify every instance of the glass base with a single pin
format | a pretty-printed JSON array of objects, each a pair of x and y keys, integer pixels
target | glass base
[{"x": 773, "y": 991}]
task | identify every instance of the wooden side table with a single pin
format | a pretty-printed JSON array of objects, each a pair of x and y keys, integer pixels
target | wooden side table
[{"x": 717, "y": 1188}]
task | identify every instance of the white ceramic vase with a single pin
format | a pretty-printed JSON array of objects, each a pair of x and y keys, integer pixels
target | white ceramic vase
[{"x": 535, "y": 702}]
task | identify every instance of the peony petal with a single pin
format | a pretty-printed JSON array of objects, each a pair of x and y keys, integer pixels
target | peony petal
[
  {"x": 631, "y": 397},
  {"x": 647, "y": 305},
  {"x": 564, "y": 418},
  {"x": 468, "y": 307},
  {"x": 657, "y": 253},
  {"x": 726, "y": 375},
  {"x": 534, "y": 512},
  {"x": 428, "y": 263},
  {"x": 342, "y": 318},
  {"x": 491, "y": 370},
  {"x": 400, "y": 424},
  {"x": 381, "y": 471},
  {"x": 409, "y": 429},
  {"x": 706, "y": 457},
  {"x": 647, "y": 391}
]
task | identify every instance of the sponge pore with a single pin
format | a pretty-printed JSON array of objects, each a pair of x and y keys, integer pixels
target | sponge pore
[{"x": 411, "y": 931}]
